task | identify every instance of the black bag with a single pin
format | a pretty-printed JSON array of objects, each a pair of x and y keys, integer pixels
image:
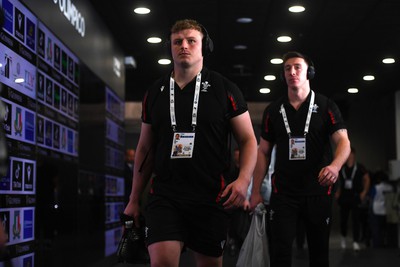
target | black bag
[{"x": 132, "y": 248}]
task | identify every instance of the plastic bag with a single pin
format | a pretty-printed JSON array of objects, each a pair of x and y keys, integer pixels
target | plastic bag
[{"x": 254, "y": 251}]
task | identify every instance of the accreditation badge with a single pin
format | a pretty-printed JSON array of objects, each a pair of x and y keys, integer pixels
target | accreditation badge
[
  {"x": 297, "y": 148},
  {"x": 182, "y": 145},
  {"x": 348, "y": 184}
]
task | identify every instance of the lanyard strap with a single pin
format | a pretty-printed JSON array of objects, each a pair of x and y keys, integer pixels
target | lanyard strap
[
  {"x": 195, "y": 102},
  {"x": 310, "y": 108},
  {"x": 352, "y": 173}
]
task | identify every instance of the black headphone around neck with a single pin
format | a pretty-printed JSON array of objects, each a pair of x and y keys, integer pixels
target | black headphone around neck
[{"x": 207, "y": 42}]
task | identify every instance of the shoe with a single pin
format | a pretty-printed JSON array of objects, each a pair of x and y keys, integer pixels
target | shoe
[
  {"x": 343, "y": 242},
  {"x": 356, "y": 246}
]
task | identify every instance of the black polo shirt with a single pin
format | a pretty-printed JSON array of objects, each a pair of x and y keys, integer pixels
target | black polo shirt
[
  {"x": 351, "y": 195},
  {"x": 299, "y": 177},
  {"x": 200, "y": 177}
]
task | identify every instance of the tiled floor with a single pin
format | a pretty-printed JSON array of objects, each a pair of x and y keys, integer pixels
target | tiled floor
[{"x": 370, "y": 257}]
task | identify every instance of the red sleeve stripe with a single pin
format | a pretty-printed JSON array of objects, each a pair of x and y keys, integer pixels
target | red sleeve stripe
[
  {"x": 332, "y": 117},
  {"x": 233, "y": 102}
]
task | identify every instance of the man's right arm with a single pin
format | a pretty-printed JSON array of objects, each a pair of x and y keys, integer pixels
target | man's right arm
[
  {"x": 263, "y": 160},
  {"x": 143, "y": 169}
]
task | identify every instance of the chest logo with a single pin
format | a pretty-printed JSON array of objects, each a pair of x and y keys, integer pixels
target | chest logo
[
  {"x": 315, "y": 108},
  {"x": 205, "y": 86}
]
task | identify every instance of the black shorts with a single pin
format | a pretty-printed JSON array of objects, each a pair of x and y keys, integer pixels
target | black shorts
[{"x": 202, "y": 227}]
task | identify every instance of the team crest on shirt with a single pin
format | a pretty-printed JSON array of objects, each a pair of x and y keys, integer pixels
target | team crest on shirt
[
  {"x": 205, "y": 86},
  {"x": 315, "y": 108},
  {"x": 162, "y": 88}
]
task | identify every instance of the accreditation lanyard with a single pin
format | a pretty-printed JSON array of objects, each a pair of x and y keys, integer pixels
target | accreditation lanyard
[
  {"x": 348, "y": 183},
  {"x": 183, "y": 142},
  {"x": 195, "y": 102},
  {"x": 307, "y": 126}
]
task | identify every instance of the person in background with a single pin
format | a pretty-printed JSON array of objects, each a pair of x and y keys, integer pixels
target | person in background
[
  {"x": 189, "y": 199},
  {"x": 354, "y": 184},
  {"x": 302, "y": 125},
  {"x": 381, "y": 186}
]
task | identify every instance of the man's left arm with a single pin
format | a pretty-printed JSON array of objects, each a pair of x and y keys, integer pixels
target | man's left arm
[
  {"x": 244, "y": 136},
  {"x": 329, "y": 174}
]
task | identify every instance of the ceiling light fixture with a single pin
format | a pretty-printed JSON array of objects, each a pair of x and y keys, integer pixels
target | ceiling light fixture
[
  {"x": 141, "y": 10},
  {"x": 270, "y": 77},
  {"x": 244, "y": 20},
  {"x": 388, "y": 60},
  {"x": 352, "y": 90},
  {"x": 276, "y": 61},
  {"x": 369, "y": 78},
  {"x": 154, "y": 40},
  {"x": 284, "y": 39},
  {"x": 240, "y": 47},
  {"x": 265, "y": 90},
  {"x": 297, "y": 9},
  {"x": 164, "y": 61}
]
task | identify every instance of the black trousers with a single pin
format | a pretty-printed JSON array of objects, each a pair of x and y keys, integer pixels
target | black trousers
[
  {"x": 283, "y": 216},
  {"x": 355, "y": 211}
]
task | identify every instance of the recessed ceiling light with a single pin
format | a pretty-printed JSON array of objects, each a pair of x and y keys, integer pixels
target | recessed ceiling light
[
  {"x": 270, "y": 77},
  {"x": 388, "y": 60},
  {"x": 276, "y": 61},
  {"x": 284, "y": 39},
  {"x": 297, "y": 9},
  {"x": 240, "y": 47},
  {"x": 154, "y": 40},
  {"x": 244, "y": 20},
  {"x": 164, "y": 61},
  {"x": 238, "y": 66},
  {"x": 352, "y": 90},
  {"x": 141, "y": 10},
  {"x": 369, "y": 78},
  {"x": 265, "y": 90}
]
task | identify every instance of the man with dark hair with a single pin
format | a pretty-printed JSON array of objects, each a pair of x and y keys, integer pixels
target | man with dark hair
[
  {"x": 187, "y": 119},
  {"x": 301, "y": 125}
]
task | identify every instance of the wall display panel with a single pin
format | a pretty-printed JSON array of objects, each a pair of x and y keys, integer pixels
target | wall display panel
[
  {"x": 56, "y": 139},
  {"x": 39, "y": 79},
  {"x": 114, "y": 106},
  {"x": 24, "y": 260},
  {"x": 57, "y": 97},
  {"x": 18, "y": 223},
  {"x": 18, "y": 80},
  {"x": 115, "y": 132},
  {"x": 21, "y": 178},
  {"x": 112, "y": 237},
  {"x": 14, "y": 67},
  {"x": 114, "y": 162},
  {"x": 114, "y": 186},
  {"x": 18, "y": 95}
]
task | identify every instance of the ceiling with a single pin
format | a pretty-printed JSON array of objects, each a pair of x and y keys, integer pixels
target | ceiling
[{"x": 346, "y": 39}]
